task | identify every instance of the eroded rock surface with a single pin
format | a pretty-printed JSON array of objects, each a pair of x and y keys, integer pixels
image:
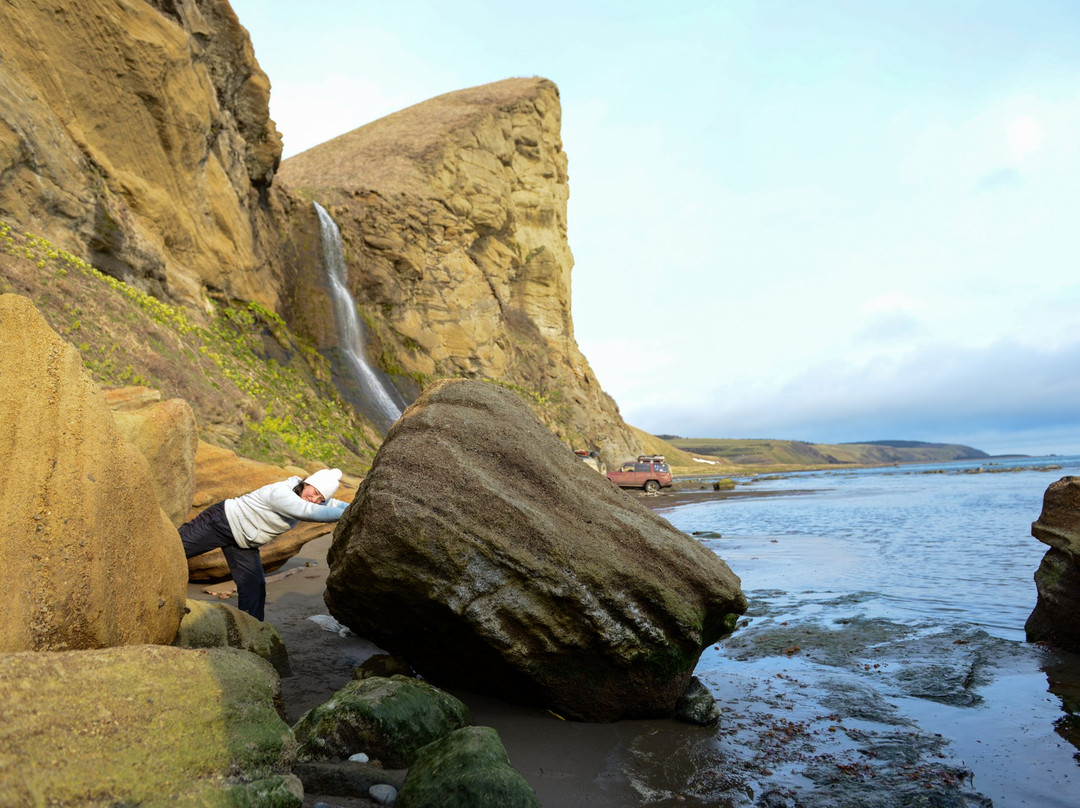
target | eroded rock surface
[
  {"x": 453, "y": 214},
  {"x": 165, "y": 434},
  {"x": 139, "y": 135},
  {"x": 1056, "y": 617},
  {"x": 140, "y": 725},
  {"x": 485, "y": 553},
  {"x": 90, "y": 558}
]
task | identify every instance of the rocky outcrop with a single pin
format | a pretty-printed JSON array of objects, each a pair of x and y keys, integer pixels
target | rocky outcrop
[
  {"x": 492, "y": 559},
  {"x": 1056, "y": 617},
  {"x": 221, "y": 474},
  {"x": 142, "y": 725},
  {"x": 165, "y": 434},
  {"x": 90, "y": 558},
  {"x": 453, "y": 214},
  {"x": 138, "y": 135},
  {"x": 388, "y": 719}
]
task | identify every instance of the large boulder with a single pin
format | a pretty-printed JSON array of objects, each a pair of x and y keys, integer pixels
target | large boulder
[
  {"x": 485, "y": 553},
  {"x": 165, "y": 434},
  {"x": 1056, "y": 617},
  {"x": 221, "y": 474},
  {"x": 90, "y": 558},
  {"x": 139, "y": 725}
]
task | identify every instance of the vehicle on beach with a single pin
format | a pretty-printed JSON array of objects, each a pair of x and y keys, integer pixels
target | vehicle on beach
[{"x": 649, "y": 472}]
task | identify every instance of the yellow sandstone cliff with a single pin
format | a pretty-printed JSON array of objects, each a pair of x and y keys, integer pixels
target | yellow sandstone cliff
[
  {"x": 136, "y": 134},
  {"x": 453, "y": 214}
]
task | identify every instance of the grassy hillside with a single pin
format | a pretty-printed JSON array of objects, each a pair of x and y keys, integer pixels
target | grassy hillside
[
  {"x": 776, "y": 455},
  {"x": 254, "y": 387}
]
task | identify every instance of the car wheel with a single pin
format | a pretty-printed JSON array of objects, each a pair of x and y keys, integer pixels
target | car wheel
[{"x": 652, "y": 486}]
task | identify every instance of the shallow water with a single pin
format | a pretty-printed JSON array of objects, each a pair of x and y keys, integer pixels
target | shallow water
[{"x": 904, "y": 590}]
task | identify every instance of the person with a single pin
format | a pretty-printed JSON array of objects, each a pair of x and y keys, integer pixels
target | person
[{"x": 240, "y": 526}]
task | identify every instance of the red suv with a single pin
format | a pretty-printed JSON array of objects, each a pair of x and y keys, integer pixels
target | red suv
[{"x": 649, "y": 472}]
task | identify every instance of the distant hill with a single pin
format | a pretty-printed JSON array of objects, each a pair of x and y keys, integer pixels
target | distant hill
[{"x": 769, "y": 453}]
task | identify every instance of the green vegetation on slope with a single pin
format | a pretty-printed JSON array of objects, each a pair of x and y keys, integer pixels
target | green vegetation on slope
[
  {"x": 254, "y": 387},
  {"x": 788, "y": 454}
]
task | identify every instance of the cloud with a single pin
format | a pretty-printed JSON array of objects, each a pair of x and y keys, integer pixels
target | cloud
[
  {"x": 939, "y": 393},
  {"x": 999, "y": 180}
]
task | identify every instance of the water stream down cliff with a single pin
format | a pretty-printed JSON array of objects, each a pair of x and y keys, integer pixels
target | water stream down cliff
[{"x": 380, "y": 403}]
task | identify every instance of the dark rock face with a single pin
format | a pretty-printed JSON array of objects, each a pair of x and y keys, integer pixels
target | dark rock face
[
  {"x": 1056, "y": 618},
  {"x": 481, "y": 550}
]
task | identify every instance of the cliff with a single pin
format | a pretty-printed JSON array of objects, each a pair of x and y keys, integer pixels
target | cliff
[
  {"x": 137, "y": 135},
  {"x": 453, "y": 214}
]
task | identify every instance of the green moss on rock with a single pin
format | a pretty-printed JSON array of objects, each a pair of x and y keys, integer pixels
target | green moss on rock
[
  {"x": 389, "y": 719},
  {"x": 468, "y": 768}
]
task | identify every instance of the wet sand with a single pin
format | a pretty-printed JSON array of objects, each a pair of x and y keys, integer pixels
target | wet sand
[{"x": 567, "y": 763}]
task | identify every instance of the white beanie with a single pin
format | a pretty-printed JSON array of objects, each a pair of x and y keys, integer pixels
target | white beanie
[{"x": 325, "y": 481}]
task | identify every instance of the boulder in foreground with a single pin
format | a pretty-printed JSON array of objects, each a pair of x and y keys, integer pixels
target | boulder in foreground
[
  {"x": 1056, "y": 617},
  {"x": 90, "y": 558},
  {"x": 482, "y": 551}
]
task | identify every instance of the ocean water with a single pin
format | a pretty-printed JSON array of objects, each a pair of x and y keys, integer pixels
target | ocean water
[{"x": 887, "y": 611}]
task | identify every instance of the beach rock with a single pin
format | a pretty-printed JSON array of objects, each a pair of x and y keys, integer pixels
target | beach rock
[
  {"x": 90, "y": 558},
  {"x": 165, "y": 434},
  {"x": 697, "y": 705},
  {"x": 467, "y": 768},
  {"x": 138, "y": 725},
  {"x": 346, "y": 778},
  {"x": 388, "y": 719},
  {"x": 218, "y": 625},
  {"x": 383, "y": 793},
  {"x": 221, "y": 474},
  {"x": 482, "y": 551},
  {"x": 1056, "y": 617}
]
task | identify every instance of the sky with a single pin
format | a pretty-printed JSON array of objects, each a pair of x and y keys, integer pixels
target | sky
[{"x": 826, "y": 221}]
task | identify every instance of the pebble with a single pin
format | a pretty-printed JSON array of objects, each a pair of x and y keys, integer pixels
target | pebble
[
  {"x": 359, "y": 757},
  {"x": 383, "y": 794}
]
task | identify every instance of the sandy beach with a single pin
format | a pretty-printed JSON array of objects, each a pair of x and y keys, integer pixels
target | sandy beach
[{"x": 566, "y": 763}]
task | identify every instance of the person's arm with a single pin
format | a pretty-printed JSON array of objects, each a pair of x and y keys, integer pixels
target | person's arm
[{"x": 284, "y": 501}]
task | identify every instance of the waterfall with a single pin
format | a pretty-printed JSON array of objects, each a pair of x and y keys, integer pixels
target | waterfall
[{"x": 350, "y": 334}]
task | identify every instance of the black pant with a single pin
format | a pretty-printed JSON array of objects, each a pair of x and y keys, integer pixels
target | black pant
[{"x": 211, "y": 529}]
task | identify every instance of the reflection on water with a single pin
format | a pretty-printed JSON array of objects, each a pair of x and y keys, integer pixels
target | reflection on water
[{"x": 911, "y": 587}]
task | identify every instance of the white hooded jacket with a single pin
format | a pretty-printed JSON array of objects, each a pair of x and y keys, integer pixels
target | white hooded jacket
[{"x": 267, "y": 512}]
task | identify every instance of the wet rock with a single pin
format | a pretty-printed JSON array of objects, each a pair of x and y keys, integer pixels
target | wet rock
[
  {"x": 1056, "y": 617},
  {"x": 383, "y": 793},
  {"x": 138, "y": 725},
  {"x": 697, "y": 705},
  {"x": 389, "y": 719},
  {"x": 465, "y": 769},
  {"x": 90, "y": 558},
  {"x": 346, "y": 778},
  {"x": 487, "y": 555},
  {"x": 383, "y": 665},
  {"x": 218, "y": 625}
]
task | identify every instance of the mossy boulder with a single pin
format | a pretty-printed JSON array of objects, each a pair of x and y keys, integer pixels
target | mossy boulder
[
  {"x": 468, "y": 768},
  {"x": 218, "y": 625},
  {"x": 389, "y": 719},
  {"x": 145, "y": 725},
  {"x": 481, "y": 550}
]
